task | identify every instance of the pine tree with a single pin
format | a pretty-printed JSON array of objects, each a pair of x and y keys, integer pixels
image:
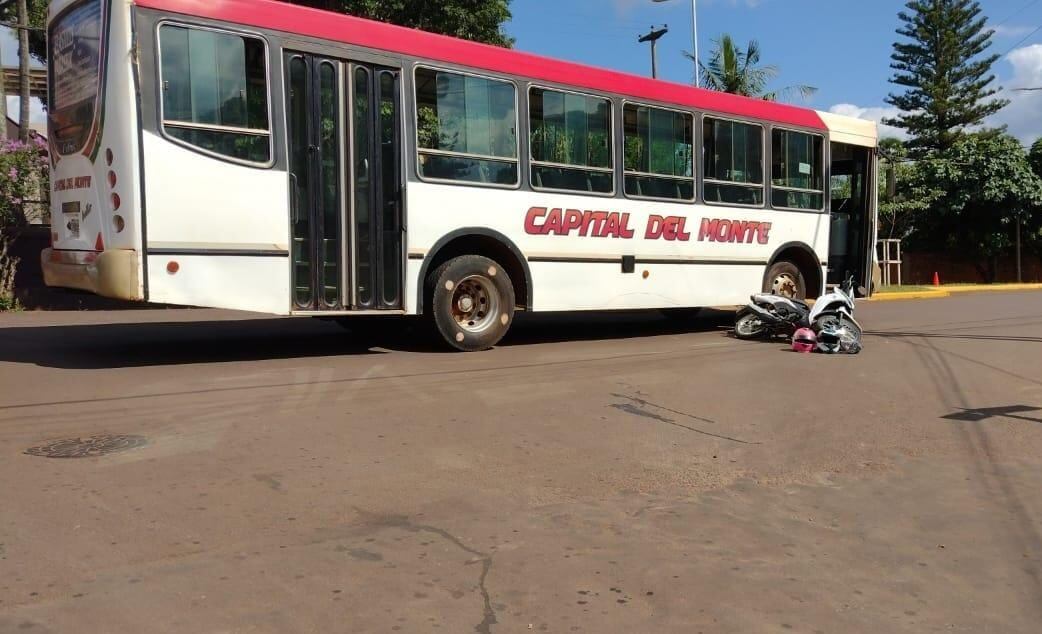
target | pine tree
[{"x": 946, "y": 76}]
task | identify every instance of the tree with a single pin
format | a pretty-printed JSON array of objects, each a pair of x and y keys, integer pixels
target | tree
[
  {"x": 903, "y": 196},
  {"x": 478, "y": 20},
  {"x": 1035, "y": 156},
  {"x": 738, "y": 72},
  {"x": 946, "y": 77},
  {"x": 982, "y": 185}
]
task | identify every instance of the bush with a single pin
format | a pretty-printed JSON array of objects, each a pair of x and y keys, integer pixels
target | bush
[{"x": 23, "y": 176}]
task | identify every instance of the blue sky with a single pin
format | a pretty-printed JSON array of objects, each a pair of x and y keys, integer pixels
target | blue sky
[{"x": 840, "y": 46}]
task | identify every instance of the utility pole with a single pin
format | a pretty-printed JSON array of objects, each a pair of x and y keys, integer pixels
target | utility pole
[
  {"x": 1020, "y": 273},
  {"x": 23, "y": 70},
  {"x": 694, "y": 40},
  {"x": 654, "y": 36}
]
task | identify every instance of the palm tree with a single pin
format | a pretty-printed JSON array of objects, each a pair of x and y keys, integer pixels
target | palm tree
[{"x": 733, "y": 70}]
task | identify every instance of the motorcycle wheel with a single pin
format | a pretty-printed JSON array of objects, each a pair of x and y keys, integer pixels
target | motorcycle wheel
[
  {"x": 749, "y": 326},
  {"x": 840, "y": 322}
]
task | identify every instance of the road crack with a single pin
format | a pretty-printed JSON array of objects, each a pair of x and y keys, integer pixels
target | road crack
[{"x": 402, "y": 522}]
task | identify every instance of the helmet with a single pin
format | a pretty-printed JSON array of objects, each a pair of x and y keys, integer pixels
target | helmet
[
  {"x": 829, "y": 340},
  {"x": 804, "y": 340}
]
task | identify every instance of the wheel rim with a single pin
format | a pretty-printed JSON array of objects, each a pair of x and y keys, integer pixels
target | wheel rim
[
  {"x": 748, "y": 325},
  {"x": 786, "y": 285},
  {"x": 475, "y": 304}
]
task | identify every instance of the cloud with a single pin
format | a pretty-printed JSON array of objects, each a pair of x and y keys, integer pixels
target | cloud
[
  {"x": 1023, "y": 115},
  {"x": 870, "y": 113}
]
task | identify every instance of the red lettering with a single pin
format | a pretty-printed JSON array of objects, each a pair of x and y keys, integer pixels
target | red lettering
[
  {"x": 763, "y": 233},
  {"x": 573, "y": 219},
  {"x": 723, "y": 231},
  {"x": 598, "y": 218},
  {"x": 612, "y": 228},
  {"x": 554, "y": 221},
  {"x": 654, "y": 230},
  {"x": 682, "y": 235},
  {"x": 708, "y": 230},
  {"x": 529, "y": 221},
  {"x": 750, "y": 232},
  {"x": 624, "y": 227}
]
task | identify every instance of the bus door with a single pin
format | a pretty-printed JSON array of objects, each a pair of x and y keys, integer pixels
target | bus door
[
  {"x": 345, "y": 184},
  {"x": 853, "y": 218}
]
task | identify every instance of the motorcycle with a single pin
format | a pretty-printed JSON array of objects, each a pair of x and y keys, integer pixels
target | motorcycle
[
  {"x": 769, "y": 315},
  {"x": 833, "y": 314}
]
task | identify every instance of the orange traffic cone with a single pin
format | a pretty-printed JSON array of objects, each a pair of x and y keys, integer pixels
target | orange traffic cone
[{"x": 936, "y": 279}]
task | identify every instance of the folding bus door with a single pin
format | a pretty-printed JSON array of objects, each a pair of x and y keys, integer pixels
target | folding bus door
[{"x": 346, "y": 184}]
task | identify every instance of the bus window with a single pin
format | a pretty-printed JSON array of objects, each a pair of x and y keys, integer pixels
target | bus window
[
  {"x": 797, "y": 179},
  {"x": 733, "y": 163},
  {"x": 466, "y": 128},
  {"x": 571, "y": 142},
  {"x": 658, "y": 153},
  {"x": 215, "y": 92}
]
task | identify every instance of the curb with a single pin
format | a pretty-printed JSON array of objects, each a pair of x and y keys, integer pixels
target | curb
[
  {"x": 993, "y": 288},
  {"x": 893, "y": 297}
]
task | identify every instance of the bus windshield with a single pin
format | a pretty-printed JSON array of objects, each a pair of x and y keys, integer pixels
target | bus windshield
[{"x": 75, "y": 66}]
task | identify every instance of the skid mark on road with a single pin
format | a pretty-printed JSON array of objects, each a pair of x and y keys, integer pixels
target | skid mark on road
[{"x": 638, "y": 407}]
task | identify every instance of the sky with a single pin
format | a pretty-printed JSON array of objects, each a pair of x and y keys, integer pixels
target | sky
[{"x": 842, "y": 47}]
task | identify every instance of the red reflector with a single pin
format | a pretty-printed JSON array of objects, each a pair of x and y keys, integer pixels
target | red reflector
[
  {"x": 172, "y": 267},
  {"x": 108, "y": 156},
  {"x": 99, "y": 244},
  {"x": 112, "y": 179},
  {"x": 115, "y": 202}
]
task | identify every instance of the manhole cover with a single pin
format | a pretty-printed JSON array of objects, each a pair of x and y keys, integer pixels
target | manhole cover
[{"x": 87, "y": 447}]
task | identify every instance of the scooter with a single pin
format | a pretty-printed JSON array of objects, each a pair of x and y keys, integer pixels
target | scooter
[
  {"x": 833, "y": 315},
  {"x": 769, "y": 315}
]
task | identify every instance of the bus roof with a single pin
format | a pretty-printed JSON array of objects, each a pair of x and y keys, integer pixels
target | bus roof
[{"x": 281, "y": 16}]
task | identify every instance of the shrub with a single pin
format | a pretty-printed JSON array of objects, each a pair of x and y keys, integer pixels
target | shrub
[{"x": 23, "y": 176}]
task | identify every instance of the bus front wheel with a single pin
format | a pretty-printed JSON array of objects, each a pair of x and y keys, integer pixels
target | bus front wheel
[{"x": 472, "y": 302}]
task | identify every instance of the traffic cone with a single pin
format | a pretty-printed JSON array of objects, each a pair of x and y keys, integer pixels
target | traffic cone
[{"x": 936, "y": 279}]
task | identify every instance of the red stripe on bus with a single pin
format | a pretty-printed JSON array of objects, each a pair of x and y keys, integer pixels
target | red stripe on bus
[{"x": 280, "y": 16}]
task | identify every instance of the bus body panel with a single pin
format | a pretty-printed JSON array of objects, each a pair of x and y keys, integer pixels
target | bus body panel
[
  {"x": 231, "y": 244},
  {"x": 95, "y": 189},
  {"x": 720, "y": 253}
]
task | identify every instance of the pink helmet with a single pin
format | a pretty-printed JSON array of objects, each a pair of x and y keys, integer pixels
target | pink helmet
[{"x": 804, "y": 340}]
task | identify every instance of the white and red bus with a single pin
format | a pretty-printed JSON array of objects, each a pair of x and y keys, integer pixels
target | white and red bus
[{"x": 260, "y": 156}]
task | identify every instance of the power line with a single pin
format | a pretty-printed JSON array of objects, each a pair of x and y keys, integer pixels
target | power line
[
  {"x": 1025, "y": 39},
  {"x": 1018, "y": 12}
]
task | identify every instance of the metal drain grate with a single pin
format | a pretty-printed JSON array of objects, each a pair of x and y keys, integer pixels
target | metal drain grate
[{"x": 87, "y": 447}]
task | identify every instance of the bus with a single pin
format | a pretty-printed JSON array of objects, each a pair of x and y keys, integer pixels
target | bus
[{"x": 260, "y": 156}]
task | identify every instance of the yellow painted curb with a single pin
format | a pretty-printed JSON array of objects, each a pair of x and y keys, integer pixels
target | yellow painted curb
[
  {"x": 893, "y": 297},
  {"x": 993, "y": 288}
]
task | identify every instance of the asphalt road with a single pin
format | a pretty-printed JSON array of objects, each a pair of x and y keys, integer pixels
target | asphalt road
[{"x": 610, "y": 473}]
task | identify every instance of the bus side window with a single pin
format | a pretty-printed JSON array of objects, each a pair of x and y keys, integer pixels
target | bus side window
[
  {"x": 658, "y": 153},
  {"x": 214, "y": 89},
  {"x": 797, "y": 170},
  {"x": 466, "y": 128},
  {"x": 571, "y": 143},
  {"x": 733, "y": 165}
]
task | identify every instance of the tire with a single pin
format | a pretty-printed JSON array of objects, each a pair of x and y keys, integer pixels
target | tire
[
  {"x": 784, "y": 278},
  {"x": 748, "y": 326},
  {"x": 472, "y": 302}
]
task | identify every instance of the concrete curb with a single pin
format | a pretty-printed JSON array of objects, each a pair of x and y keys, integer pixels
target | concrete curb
[
  {"x": 893, "y": 297},
  {"x": 948, "y": 291}
]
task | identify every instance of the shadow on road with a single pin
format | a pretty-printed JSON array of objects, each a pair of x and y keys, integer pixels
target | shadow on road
[{"x": 95, "y": 346}]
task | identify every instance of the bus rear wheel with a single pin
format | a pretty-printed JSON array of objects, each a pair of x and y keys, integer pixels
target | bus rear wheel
[
  {"x": 472, "y": 302},
  {"x": 785, "y": 279}
]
